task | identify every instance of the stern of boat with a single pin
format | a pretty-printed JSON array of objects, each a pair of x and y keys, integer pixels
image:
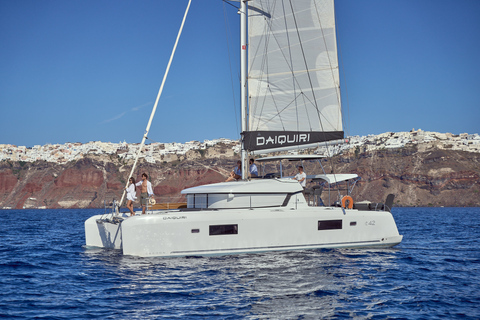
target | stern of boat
[{"x": 103, "y": 233}]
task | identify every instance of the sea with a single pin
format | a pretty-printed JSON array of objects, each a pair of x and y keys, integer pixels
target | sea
[{"x": 46, "y": 272}]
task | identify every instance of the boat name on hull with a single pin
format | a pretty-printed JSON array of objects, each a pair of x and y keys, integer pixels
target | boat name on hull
[{"x": 174, "y": 218}]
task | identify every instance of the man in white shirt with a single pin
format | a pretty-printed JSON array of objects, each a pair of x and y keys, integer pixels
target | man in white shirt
[
  {"x": 253, "y": 169},
  {"x": 301, "y": 177},
  {"x": 146, "y": 191}
]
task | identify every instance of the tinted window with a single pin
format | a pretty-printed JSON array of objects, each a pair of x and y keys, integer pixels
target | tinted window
[
  {"x": 329, "y": 224},
  {"x": 224, "y": 229}
]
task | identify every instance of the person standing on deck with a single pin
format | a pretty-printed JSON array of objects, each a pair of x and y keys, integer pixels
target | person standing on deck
[
  {"x": 131, "y": 195},
  {"x": 253, "y": 169},
  {"x": 146, "y": 191},
  {"x": 301, "y": 177}
]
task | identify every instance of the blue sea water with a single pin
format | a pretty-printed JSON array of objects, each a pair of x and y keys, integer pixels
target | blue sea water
[{"x": 47, "y": 273}]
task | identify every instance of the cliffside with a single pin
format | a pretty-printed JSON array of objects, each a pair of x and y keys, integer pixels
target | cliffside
[
  {"x": 433, "y": 178},
  {"x": 427, "y": 178},
  {"x": 88, "y": 182}
]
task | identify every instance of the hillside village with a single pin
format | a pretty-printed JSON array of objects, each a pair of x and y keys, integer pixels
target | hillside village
[
  {"x": 421, "y": 168},
  {"x": 168, "y": 152}
]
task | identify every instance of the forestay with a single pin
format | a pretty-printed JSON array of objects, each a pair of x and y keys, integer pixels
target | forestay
[{"x": 293, "y": 78}]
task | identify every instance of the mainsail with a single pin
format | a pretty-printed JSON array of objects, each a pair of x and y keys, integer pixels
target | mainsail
[{"x": 293, "y": 78}]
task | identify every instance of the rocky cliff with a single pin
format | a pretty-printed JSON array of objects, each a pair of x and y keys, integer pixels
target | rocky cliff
[
  {"x": 433, "y": 178},
  {"x": 417, "y": 177}
]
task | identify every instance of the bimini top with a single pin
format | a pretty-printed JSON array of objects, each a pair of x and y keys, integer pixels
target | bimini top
[
  {"x": 333, "y": 178},
  {"x": 248, "y": 186}
]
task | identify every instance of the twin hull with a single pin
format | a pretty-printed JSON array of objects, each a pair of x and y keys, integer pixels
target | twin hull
[{"x": 216, "y": 232}]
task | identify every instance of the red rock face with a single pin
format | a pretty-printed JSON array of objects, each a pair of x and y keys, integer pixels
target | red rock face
[
  {"x": 76, "y": 177},
  {"x": 115, "y": 185},
  {"x": 7, "y": 181},
  {"x": 32, "y": 187},
  {"x": 175, "y": 181},
  {"x": 165, "y": 189}
]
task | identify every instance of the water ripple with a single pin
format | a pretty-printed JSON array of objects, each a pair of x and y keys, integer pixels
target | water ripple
[{"x": 47, "y": 273}]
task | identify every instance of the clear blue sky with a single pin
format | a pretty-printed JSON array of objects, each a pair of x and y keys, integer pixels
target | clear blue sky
[{"x": 79, "y": 71}]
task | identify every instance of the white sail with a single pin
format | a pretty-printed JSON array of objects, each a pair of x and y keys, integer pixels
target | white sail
[{"x": 293, "y": 78}]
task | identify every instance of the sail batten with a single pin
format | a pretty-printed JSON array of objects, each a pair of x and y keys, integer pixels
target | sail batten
[{"x": 293, "y": 77}]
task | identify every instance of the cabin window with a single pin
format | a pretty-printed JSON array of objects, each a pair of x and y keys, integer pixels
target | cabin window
[
  {"x": 217, "y": 201},
  {"x": 353, "y": 223},
  {"x": 239, "y": 200},
  {"x": 224, "y": 229},
  {"x": 329, "y": 224},
  {"x": 197, "y": 200}
]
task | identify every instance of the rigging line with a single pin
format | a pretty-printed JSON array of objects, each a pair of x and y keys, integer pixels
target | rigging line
[
  {"x": 153, "y": 140},
  {"x": 272, "y": 96},
  {"x": 305, "y": 97},
  {"x": 313, "y": 93},
  {"x": 306, "y": 65},
  {"x": 158, "y": 97},
  {"x": 267, "y": 34},
  {"x": 291, "y": 64},
  {"x": 228, "y": 2},
  {"x": 333, "y": 77},
  {"x": 288, "y": 62},
  {"x": 294, "y": 78},
  {"x": 230, "y": 64},
  {"x": 265, "y": 66},
  {"x": 225, "y": 173},
  {"x": 281, "y": 111},
  {"x": 208, "y": 167},
  {"x": 263, "y": 63}
]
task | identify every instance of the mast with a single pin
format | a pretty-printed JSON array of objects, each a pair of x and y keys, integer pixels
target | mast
[{"x": 243, "y": 81}]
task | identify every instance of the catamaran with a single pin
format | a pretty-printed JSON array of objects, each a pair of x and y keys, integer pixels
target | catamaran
[{"x": 290, "y": 100}]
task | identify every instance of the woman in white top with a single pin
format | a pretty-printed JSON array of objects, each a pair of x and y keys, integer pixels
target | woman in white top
[{"x": 131, "y": 195}]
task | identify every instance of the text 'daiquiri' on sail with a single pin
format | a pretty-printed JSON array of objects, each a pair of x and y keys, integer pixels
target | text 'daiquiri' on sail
[{"x": 260, "y": 140}]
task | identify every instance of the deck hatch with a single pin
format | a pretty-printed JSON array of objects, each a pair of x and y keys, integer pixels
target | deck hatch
[
  {"x": 223, "y": 229},
  {"x": 329, "y": 224}
]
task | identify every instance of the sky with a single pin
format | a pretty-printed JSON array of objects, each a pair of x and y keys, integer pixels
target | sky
[{"x": 80, "y": 71}]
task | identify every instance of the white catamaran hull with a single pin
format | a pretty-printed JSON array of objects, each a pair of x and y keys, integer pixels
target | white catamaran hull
[{"x": 203, "y": 233}]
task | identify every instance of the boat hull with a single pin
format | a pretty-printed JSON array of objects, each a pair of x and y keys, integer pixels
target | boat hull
[
  {"x": 199, "y": 233},
  {"x": 103, "y": 234}
]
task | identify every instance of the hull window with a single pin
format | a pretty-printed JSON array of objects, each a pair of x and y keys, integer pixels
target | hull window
[
  {"x": 329, "y": 224},
  {"x": 224, "y": 229}
]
